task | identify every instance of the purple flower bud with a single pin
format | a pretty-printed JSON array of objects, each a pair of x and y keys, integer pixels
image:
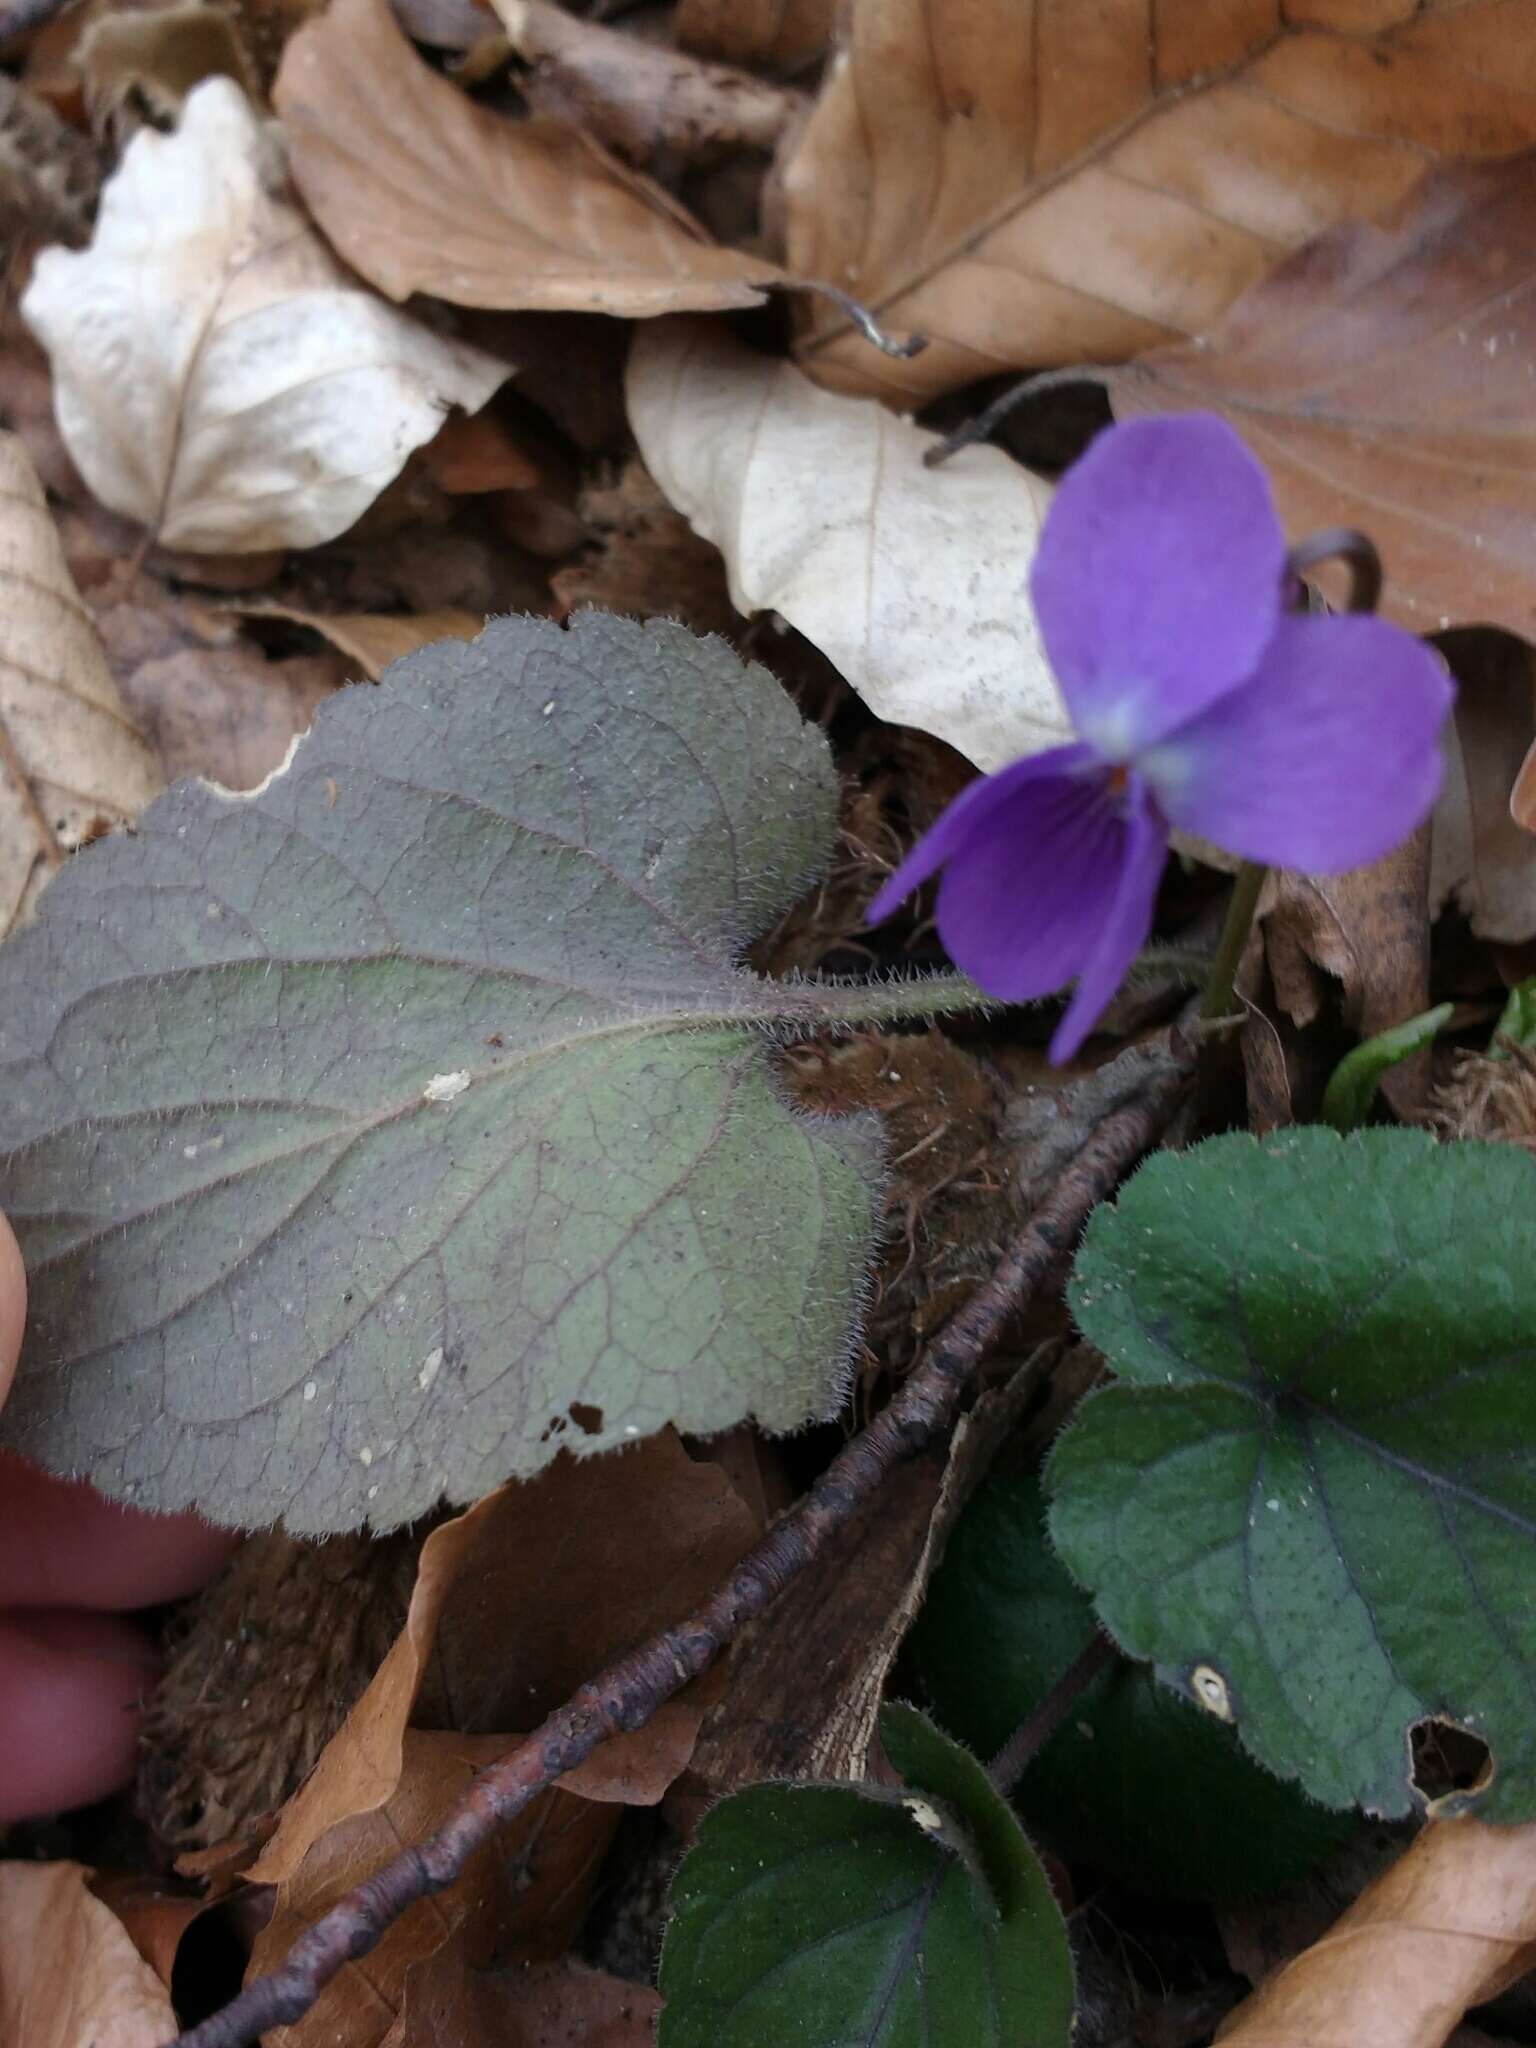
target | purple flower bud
[{"x": 1303, "y": 742}]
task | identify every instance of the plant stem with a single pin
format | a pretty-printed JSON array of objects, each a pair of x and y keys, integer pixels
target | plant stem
[
  {"x": 626, "y": 1695},
  {"x": 1032, "y": 1734},
  {"x": 1244, "y": 900}
]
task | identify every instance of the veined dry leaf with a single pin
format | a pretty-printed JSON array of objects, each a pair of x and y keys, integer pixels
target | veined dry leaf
[
  {"x": 641, "y": 97},
  {"x": 774, "y": 35},
  {"x": 423, "y": 191},
  {"x": 1450, "y": 1924},
  {"x": 910, "y": 580},
  {"x": 374, "y": 639},
  {"x": 72, "y": 763},
  {"x": 69, "y": 1975},
  {"x": 1383, "y": 377},
  {"x": 218, "y": 376},
  {"x": 1065, "y": 184}
]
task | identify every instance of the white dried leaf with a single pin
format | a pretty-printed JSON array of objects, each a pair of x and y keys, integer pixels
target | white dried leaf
[
  {"x": 912, "y": 581},
  {"x": 219, "y": 376}
]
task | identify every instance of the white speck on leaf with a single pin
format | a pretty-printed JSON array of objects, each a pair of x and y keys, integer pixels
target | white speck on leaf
[{"x": 444, "y": 1087}]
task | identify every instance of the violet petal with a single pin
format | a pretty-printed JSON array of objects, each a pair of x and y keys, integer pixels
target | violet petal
[
  {"x": 1157, "y": 580},
  {"x": 1121, "y": 933},
  {"x": 972, "y": 816},
  {"x": 1327, "y": 759},
  {"x": 1020, "y": 906}
]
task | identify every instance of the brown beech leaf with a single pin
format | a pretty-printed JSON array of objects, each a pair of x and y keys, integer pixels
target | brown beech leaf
[
  {"x": 70, "y": 1977},
  {"x": 772, "y": 35},
  {"x": 1383, "y": 377},
  {"x": 72, "y": 762},
  {"x": 526, "y": 1889},
  {"x": 374, "y": 639},
  {"x": 424, "y": 191},
  {"x": 623, "y": 1543},
  {"x": 552, "y": 2005},
  {"x": 209, "y": 701},
  {"x": 1451, "y": 1923},
  {"x": 1081, "y": 184}
]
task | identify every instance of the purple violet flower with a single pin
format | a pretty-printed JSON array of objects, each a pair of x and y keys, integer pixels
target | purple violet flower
[{"x": 1306, "y": 742}]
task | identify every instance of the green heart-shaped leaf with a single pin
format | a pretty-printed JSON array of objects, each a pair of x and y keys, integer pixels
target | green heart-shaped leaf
[
  {"x": 855, "y": 1916},
  {"x": 1311, "y": 1500}
]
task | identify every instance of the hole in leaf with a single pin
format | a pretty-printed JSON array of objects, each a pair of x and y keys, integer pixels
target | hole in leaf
[
  {"x": 1451, "y": 1765},
  {"x": 588, "y": 1420}
]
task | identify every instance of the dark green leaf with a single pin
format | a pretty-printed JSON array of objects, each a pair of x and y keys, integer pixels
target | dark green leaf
[
  {"x": 849, "y": 1916},
  {"x": 374, "y": 1135},
  {"x": 1138, "y": 1782},
  {"x": 1311, "y": 1501}
]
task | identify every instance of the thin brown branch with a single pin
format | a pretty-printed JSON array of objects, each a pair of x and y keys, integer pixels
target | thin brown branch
[{"x": 627, "y": 1694}]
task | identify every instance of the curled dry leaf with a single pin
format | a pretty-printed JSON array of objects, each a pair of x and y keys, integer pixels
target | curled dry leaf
[
  {"x": 218, "y": 376},
  {"x": 70, "y": 1977},
  {"x": 641, "y": 97},
  {"x": 1091, "y": 184},
  {"x": 1450, "y": 1924},
  {"x": 146, "y": 61},
  {"x": 423, "y": 191},
  {"x": 910, "y": 580},
  {"x": 1383, "y": 377},
  {"x": 72, "y": 763}
]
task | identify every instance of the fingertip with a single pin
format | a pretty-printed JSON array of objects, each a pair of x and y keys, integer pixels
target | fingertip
[
  {"x": 72, "y": 1688},
  {"x": 13, "y": 1305}
]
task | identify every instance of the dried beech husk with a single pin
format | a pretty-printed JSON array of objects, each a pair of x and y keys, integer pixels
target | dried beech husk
[
  {"x": 262, "y": 1670},
  {"x": 1491, "y": 1099}
]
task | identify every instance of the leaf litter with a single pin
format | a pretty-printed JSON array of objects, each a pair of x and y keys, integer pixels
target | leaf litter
[{"x": 341, "y": 377}]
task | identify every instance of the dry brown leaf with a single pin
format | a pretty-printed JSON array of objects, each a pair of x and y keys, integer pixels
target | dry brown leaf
[
  {"x": 153, "y": 1915},
  {"x": 1482, "y": 860},
  {"x": 549, "y": 2006},
  {"x": 774, "y": 35},
  {"x": 1383, "y": 377},
  {"x": 218, "y": 376},
  {"x": 642, "y": 98},
  {"x": 526, "y": 1889},
  {"x": 424, "y": 191},
  {"x": 1450, "y": 1924},
  {"x": 69, "y": 1975},
  {"x": 144, "y": 61},
  {"x": 648, "y": 563},
  {"x": 1081, "y": 184},
  {"x": 480, "y": 454},
  {"x": 222, "y": 712},
  {"x": 625, "y": 1544},
  {"x": 910, "y": 580},
  {"x": 374, "y": 639},
  {"x": 72, "y": 763},
  {"x": 1369, "y": 930}
]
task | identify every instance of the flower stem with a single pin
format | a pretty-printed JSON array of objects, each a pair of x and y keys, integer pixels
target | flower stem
[
  {"x": 1244, "y": 901},
  {"x": 1031, "y": 1736}
]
